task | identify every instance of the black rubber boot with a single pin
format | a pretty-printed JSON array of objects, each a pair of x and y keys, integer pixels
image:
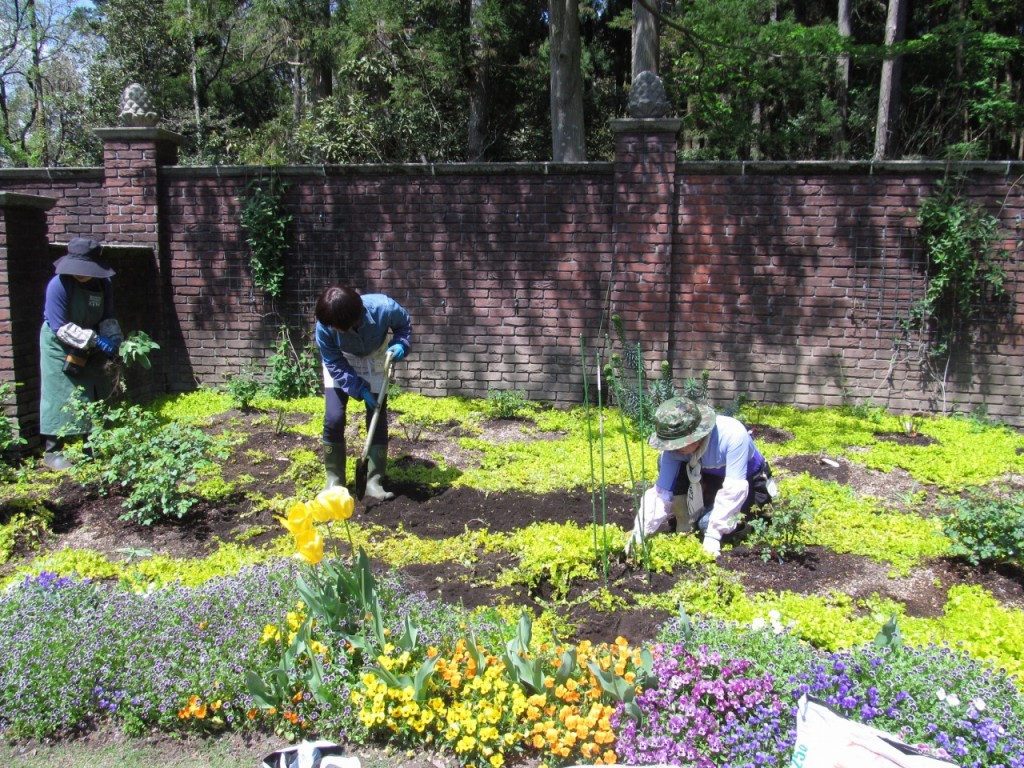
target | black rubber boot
[
  {"x": 334, "y": 463},
  {"x": 53, "y": 458},
  {"x": 376, "y": 466}
]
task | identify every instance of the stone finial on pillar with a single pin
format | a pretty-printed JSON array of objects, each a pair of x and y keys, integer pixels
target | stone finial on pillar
[
  {"x": 137, "y": 108},
  {"x": 647, "y": 96}
]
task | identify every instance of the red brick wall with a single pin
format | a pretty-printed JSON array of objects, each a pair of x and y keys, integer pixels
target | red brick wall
[
  {"x": 786, "y": 281},
  {"x": 26, "y": 259},
  {"x": 795, "y": 284}
]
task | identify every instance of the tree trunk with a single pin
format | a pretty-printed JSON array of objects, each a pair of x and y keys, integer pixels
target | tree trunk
[
  {"x": 321, "y": 75},
  {"x": 478, "y": 69},
  {"x": 567, "y": 137},
  {"x": 843, "y": 84},
  {"x": 889, "y": 89},
  {"x": 194, "y": 53},
  {"x": 645, "y": 40},
  {"x": 35, "y": 79}
]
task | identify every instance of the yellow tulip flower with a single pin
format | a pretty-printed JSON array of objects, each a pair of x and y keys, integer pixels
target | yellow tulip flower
[
  {"x": 338, "y": 502},
  {"x": 309, "y": 545},
  {"x": 299, "y": 519},
  {"x": 321, "y": 513}
]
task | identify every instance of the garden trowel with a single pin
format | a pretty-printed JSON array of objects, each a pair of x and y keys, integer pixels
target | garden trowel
[{"x": 361, "y": 465}]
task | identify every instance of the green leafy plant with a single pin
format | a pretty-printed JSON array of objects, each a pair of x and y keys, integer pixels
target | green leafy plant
[
  {"x": 965, "y": 273},
  {"x": 243, "y": 386},
  {"x": 506, "y": 403},
  {"x": 619, "y": 689},
  {"x": 985, "y": 528},
  {"x": 9, "y": 437},
  {"x": 156, "y": 464},
  {"x": 783, "y": 531},
  {"x": 293, "y": 372},
  {"x": 528, "y": 671},
  {"x": 27, "y": 522},
  {"x": 636, "y": 393},
  {"x": 136, "y": 349},
  {"x": 265, "y": 221}
]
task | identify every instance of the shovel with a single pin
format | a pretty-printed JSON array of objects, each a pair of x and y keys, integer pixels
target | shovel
[{"x": 361, "y": 464}]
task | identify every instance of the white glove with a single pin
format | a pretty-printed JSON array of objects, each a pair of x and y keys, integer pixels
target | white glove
[
  {"x": 655, "y": 509},
  {"x": 76, "y": 336},
  {"x": 712, "y": 544}
]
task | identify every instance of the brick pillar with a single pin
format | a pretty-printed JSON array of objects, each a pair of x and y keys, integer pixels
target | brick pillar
[
  {"x": 26, "y": 264},
  {"x": 643, "y": 225},
  {"x": 132, "y": 158}
]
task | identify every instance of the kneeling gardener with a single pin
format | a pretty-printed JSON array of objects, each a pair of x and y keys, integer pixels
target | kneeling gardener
[{"x": 703, "y": 453}]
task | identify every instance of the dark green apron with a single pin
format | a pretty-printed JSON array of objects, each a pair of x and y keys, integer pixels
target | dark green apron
[{"x": 57, "y": 387}]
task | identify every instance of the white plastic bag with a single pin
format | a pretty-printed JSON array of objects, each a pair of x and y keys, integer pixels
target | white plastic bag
[
  {"x": 310, "y": 754},
  {"x": 825, "y": 739}
]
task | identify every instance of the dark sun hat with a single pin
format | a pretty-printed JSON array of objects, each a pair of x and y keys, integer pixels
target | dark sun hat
[
  {"x": 82, "y": 259},
  {"x": 680, "y": 421}
]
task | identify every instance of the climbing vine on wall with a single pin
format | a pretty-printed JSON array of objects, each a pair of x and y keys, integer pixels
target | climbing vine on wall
[
  {"x": 966, "y": 279},
  {"x": 265, "y": 221}
]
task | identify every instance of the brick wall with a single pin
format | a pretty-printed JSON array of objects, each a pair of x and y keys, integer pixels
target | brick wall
[
  {"x": 798, "y": 282},
  {"x": 25, "y": 255},
  {"x": 786, "y": 281}
]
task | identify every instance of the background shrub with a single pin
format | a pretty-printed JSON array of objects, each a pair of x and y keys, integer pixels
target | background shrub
[{"x": 986, "y": 529}]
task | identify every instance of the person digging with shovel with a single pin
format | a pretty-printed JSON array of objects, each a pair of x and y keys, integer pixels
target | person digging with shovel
[
  {"x": 356, "y": 334},
  {"x": 710, "y": 459}
]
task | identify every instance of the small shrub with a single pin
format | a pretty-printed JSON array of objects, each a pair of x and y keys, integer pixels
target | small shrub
[
  {"x": 506, "y": 403},
  {"x": 9, "y": 439},
  {"x": 985, "y": 528},
  {"x": 27, "y": 520},
  {"x": 637, "y": 394},
  {"x": 243, "y": 387},
  {"x": 156, "y": 464},
  {"x": 784, "y": 532},
  {"x": 293, "y": 373}
]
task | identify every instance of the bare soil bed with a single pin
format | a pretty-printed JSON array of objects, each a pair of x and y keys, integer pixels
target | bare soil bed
[{"x": 85, "y": 519}]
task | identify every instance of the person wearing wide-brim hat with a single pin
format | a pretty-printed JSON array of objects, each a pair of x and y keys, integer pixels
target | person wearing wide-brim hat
[
  {"x": 710, "y": 459},
  {"x": 79, "y": 334}
]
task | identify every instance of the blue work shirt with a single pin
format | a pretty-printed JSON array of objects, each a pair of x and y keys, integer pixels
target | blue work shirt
[
  {"x": 382, "y": 316},
  {"x": 731, "y": 453}
]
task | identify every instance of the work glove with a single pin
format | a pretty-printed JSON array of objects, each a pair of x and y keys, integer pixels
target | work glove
[
  {"x": 367, "y": 397},
  {"x": 397, "y": 351},
  {"x": 107, "y": 346},
  {"x": 712, "y": 544}
]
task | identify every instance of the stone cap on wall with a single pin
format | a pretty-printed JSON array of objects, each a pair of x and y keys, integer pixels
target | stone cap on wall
[
  {"x": 139, "y": 134},
  {"x": 20, "y": 200},
  {"x": 645, "y": 124},
  {"x": 848, "y": 167},
  {"x": 392, "y": 169}
]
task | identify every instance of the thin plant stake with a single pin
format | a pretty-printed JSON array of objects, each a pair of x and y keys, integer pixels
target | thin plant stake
[
  {"x": 604, "y": 495},
  {"x": 590, "y": 441}
]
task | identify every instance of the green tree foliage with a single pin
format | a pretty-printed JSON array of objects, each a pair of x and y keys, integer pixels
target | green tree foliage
[
  {"x": 42, "y": 47},
  {"x": 964, "y": 80},
  {"x": 758, "y": 79},
  {"x": 351, "y": 81}
]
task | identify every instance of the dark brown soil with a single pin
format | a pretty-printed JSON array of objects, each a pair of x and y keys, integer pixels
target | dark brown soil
[{"x": 86, "y": 520}]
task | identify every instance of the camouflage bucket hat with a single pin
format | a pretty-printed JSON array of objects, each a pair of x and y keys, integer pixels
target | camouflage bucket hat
[{"x": 680, "y": 421}]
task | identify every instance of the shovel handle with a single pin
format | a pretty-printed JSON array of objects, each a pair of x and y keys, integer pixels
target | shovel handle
[{"x": 388, "y": 359}]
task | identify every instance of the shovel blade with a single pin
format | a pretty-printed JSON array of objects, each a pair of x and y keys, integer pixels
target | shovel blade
[{"x": 361, "y": 469}]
